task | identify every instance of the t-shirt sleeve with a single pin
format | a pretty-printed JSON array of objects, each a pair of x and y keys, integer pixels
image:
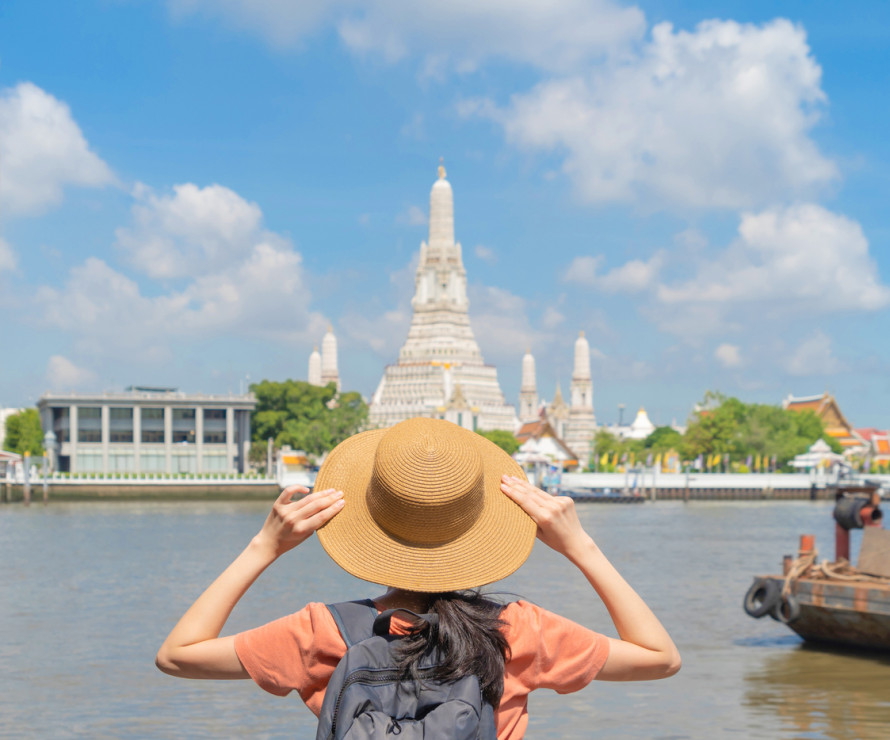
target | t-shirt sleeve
[
  {"x": 298, "y": 652},
  {"x": 550, "y": 651}
]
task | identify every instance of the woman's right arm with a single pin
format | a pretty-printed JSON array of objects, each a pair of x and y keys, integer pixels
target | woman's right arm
[
  {"x": 645, "y": 650},
  {"x": 194, "y": 649}
]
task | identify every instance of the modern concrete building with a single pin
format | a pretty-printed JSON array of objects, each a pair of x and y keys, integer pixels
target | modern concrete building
[{"x": 149, "y": 430}]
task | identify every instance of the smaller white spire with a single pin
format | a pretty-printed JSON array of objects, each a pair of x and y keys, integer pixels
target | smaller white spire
[
  {"x": 528, "y": 390},
  {"x": 315, "y": 367},
  {"x": 529, "y": 382},
  {"x": 329, "y": 372},
  {"x": 582, "y": 358}
]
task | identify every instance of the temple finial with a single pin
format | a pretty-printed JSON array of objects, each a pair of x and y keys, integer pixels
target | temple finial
[{"x": 441, "y": 168}]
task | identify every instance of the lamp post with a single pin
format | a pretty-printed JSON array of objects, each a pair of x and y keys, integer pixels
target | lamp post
[{"x": 51, "y": 447}]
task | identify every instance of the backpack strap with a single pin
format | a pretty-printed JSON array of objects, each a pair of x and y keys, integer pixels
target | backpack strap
[{"x": 354, "y": 619}]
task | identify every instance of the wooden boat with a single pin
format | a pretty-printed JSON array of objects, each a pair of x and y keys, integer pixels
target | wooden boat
[{"x": 834, "y": 602}]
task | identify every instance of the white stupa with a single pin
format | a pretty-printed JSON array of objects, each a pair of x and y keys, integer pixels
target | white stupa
[
  {"x": 641, "y": 427},
  {"x": 528, "y": 389},
  {"x": 581, "y": 424},
  {"x": 329, "y": 371},
  {"x": 440, "y": 372},
  {"x": 315, "y": 367}
]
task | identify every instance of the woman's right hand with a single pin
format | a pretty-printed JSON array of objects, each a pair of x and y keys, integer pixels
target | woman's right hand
[
  {"x": 556, "y": 517},
  {"x": 292, "y": 521}
]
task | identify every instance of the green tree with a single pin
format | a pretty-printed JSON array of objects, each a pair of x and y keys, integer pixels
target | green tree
[
  {"x": 664, "y": 439},
  {"x": 24, "y": 433},
  {"x": 503, "y": 439},
  {"x": 729, "y": 426},
  {"x": 306, "y": 417}
]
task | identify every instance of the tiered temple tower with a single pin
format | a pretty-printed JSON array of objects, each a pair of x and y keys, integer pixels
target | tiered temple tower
[
  {"x": 440, "y": 371},
  {"x": 581, "y": 424},
  {"x": 528, "y": 389}
]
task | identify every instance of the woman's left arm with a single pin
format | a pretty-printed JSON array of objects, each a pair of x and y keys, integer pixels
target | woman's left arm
[{"x": 194, "y": 648}]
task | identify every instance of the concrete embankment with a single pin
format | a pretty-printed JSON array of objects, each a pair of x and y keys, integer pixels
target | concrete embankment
[{"x": 266, "y": 491}]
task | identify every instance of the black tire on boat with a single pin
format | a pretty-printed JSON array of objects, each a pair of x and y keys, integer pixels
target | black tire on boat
[
  {"x": 762, "y": 597},
  {"x": 787, "y": 610}
]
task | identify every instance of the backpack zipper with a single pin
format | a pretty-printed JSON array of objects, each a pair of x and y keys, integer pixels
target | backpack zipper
[{"x": 380, "y": 676}]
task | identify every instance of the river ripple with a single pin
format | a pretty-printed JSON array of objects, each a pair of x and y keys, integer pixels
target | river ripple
[{"x": 89, "y": 590}]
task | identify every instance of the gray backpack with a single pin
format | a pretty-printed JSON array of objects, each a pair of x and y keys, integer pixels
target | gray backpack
[{"x": 366, "y": 697}]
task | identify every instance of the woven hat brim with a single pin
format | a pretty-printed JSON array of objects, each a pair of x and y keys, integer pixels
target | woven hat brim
[{"x": 496, "y": 545}]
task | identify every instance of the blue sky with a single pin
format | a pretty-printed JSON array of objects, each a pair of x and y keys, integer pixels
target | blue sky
[{"x": 190, "y": 191}]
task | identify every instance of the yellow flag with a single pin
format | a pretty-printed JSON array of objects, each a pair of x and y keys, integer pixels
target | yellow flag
[{"x": 604, "y": 459}]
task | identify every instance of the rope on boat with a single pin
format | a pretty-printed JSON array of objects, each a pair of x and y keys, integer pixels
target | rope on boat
[
  {"x": 833, "y": 570},
  {"x": 841, "y": 570},
  {"x": 800, "y": 566}
]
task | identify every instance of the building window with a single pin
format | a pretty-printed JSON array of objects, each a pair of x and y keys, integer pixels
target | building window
[
  {"x": 215, "y": 463},
  {"x": 121, "y": 462},
  {"x": 89, "y": 462},
  {"x": 89, "y": 424},
  {"x": 184, "y": 462},
  {"x": 120, "y": 425},
  {"x": 152, "y": 426},
  {"x": 152, "y": 462},
  {"x": 62, "y": 424},
  {"x": 183, "y": 427},
  {"x": 214, "y": 426}
]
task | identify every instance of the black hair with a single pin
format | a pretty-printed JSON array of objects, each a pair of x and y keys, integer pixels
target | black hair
[{"x": 468, "y": 638}]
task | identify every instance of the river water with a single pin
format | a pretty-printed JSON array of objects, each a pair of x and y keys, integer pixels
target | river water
[{"x": 89, "y": 590}]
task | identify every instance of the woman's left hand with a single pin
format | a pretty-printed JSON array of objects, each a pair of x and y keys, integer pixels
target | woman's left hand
[{"x": 292, "y": 521}]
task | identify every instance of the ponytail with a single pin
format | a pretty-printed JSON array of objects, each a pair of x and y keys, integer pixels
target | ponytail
[{"x": 468, "y": 638}]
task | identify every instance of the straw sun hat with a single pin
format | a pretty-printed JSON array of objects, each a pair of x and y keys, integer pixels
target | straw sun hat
[{"x": 424, "y": 510}]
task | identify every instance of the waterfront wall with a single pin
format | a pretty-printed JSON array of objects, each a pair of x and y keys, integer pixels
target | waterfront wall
[
  {"x": 705, "y": 485},
  {"x": 190, "y": 490}
]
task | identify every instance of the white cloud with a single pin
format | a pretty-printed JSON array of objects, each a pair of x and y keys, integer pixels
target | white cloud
[
  {"x": 383, "y": 330},
  {"x": 633, "y": 276},
  {"x": 551, "y": 318},
  {"x": 459, "y": 35},
  {"x": 244, "y": 281},
  {"x": 618, "y": 368},
  {"x": 412, "y": 216},
  {"x": 191, "y": 231},
  {"x": 728, "y": 355},
  {"x": 282, "y": 22},
  {"x": 501, "y": 324},
  {"x": 549, "y": 34},
  {"x": 802, "y": 258},
  {"x": 813, "y": 356},
  {"x": 8, "y": 260},
  {"x": 62, "y": 374},
  {"x": 42, "y": 150},
  {"x": 486, "y": 254},
  {"x": 718, "y": 117}
]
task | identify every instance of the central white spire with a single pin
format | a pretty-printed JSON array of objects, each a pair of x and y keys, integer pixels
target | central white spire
[{"x": 441, "y": 212}]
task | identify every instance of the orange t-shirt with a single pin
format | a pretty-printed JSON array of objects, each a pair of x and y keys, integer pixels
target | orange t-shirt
[{"x": 299, "y": 653}]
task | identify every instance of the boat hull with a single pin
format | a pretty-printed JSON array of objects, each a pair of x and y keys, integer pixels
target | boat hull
[{"x": 851, "y": 613}]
